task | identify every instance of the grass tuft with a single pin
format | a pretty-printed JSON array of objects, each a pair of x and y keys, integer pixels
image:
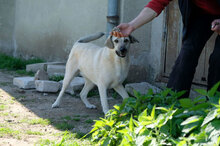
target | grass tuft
[{"x": 12, "y": 63}]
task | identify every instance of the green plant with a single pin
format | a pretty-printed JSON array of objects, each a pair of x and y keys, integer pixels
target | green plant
[
  {"x": 56, "y": 78},
  {"x": 64, "y": 126},
  {"x": 24, "y": 72},
  {"x": 161, "y": 119},
  {"x": 12, "y": 63}
]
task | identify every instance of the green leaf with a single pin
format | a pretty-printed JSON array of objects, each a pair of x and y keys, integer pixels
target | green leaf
[
  {"x": 153, "y": 112},
  {"x": 162, "y": 108},
  {"x": 200, "y": 106},
  {"x": 201, "y": 92},
  {"x": 213, "y": 129},
  {"x": 131, "y": 124},
  {"x": 142, "y": 116},
  {"x": 186, "y": 103},
  {"x": 192, "y": 119},
  {"x": 213, "y": 90},
  {"x": 211, "y": 115},
  {"x": 189, "y": 127},
  {"x": 140, "y": 140},
  {"x": 117, "y": 107},
  {"x": 107, "y": 141}
]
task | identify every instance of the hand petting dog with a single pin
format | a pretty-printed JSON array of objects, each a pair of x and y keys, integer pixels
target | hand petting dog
[{"x": 216, "y": 26}]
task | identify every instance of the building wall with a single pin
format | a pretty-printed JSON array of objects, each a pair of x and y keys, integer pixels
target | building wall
[
  {"x": 7, "y": 23},
  {"x": 147, "y": 55},
  {"x": 48, "y": 29}
]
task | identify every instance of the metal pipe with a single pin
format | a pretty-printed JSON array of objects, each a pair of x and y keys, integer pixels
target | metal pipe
[{"x": 112, "y": 16}]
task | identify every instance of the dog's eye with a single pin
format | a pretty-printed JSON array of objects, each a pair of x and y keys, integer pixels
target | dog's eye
[
  {"x": 126, "y": 40},
  {"x": 116, "y": 41}
]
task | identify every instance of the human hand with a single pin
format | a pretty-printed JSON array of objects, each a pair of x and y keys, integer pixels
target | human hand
[
  {"x": 216, "y": 26},
  {"x": 125, "y": 30}
]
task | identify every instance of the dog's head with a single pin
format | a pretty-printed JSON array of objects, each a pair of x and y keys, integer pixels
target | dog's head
[{"x": 120, "y": 45}]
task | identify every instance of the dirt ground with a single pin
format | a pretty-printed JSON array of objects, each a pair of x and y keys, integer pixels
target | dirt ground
[{"x": 26, "y": 116}]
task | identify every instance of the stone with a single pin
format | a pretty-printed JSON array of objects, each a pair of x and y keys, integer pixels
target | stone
[
  {"x": 41, "y": 66},
  {"x": 142, "y": 88},
  {"x": 76, "y": 84},
  {"x": 24, "y": 82},
  {"x": 47, "y": 86},
  {"x": 56, "y": 70},
  {"x": 41, "y": 75}
]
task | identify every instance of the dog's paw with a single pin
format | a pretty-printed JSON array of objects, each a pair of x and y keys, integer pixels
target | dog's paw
[
  {"x": 55, "y": 105},
  {"x": 91, "y": 106}
]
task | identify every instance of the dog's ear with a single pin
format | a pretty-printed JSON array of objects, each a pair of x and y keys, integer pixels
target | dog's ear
[
  {"x": 109, "y": 43},
  {"x": 133, "y": 39}
]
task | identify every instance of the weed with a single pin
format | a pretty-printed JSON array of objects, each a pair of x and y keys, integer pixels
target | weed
[
  {"x": 64, "y": 126},
  {"x": 11, "y": 63},
  {"x": 40, "y": 121},
  {"x": 56, "y": 78},
  {"x": 89, "y": 121},
  {"x": 5, "y": 131},
  {"x": 4, "y": 114},
  {"x": 4, "y": 83},
  {"x": 76, "y": 119},
  {"x": 67, "y": 118},
  {"x": 93, "y": 93},
  {"x": 68, "y": 139},
  {"x": 77, "y": 115},
  {"x": 24, "y": 72},
  {"x": 2, "y": 107},
  {"x": 29, "y": 132}
]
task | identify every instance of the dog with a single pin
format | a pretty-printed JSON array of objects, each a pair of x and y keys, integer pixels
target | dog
[{"x": 107, "y": 67}]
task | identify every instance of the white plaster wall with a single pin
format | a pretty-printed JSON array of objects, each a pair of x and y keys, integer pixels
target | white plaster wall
[{"x": 49, "y": 28}]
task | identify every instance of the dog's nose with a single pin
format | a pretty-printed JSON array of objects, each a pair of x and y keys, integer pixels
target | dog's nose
[{"x": 123, "y": 49}]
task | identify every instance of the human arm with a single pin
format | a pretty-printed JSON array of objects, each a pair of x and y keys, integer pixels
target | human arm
[{"x": 150, "y": 11}]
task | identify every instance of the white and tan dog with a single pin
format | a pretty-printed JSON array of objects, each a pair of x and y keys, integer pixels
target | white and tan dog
[{"x": 107, "y": 67}]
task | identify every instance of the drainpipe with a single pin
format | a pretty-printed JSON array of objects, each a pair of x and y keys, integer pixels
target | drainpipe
[{"x": 112, "y": 18}]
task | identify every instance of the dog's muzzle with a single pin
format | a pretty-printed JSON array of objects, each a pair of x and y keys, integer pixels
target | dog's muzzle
[{"x": 122, "y": 52}]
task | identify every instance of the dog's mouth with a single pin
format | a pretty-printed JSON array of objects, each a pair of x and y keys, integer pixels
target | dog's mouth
[{"x": 121, "y": 54}]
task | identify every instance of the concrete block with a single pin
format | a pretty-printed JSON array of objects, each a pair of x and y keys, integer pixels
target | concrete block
[
  {"x": 56, "y": 70},
  {"x": 142, "y": 88},
  {"x": 41, "y": 75},
  {"x": 24, "y": 82},
  {"x": 41, "y": 66},
  {"x": 76, "y": 84},
  {"x": 47, "y": 86}
]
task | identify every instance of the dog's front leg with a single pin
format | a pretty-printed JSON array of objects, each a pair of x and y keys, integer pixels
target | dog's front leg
[
  {"x": 103, "y": 97},
  {"x": 121, "y": 91}
]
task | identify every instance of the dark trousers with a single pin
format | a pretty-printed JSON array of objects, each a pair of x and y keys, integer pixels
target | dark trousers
[{"x": 195, "y": 35}]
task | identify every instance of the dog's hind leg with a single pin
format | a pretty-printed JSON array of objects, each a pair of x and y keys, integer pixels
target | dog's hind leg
[
  {"x": 83, "y": 94},
  {"x": 70, "y": 72},
  {"x": 121, "y": 91}
]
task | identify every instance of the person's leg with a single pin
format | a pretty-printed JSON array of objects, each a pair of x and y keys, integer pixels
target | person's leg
[
  {"x": 214, "y": 65},
  {"x": 195, "y": 35}
]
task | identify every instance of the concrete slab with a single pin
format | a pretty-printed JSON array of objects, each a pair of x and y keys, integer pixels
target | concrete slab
[
  {"x": 41, "y": 66},
  {"x": 55, "y": 70},
  {"x": 142, "y": 88},
  {"x": 47, "y": 86},
  {"x": 41, "y": 75},
  {"x": 76, "y": 84},
  {"x": 24, "y": 82}
]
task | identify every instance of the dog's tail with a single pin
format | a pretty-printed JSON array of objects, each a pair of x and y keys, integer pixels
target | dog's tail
[{"x": 91, "y": 37}]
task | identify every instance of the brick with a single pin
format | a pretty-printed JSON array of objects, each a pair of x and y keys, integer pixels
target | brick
[
  {"x": 41, "y": 66},
  {"x": 24, "y": 82},
  {"x": 56, "y": 70},
  {"x": 142, "y": 88},
  {"x": 76, "y": 84},
  {"x": 47, "y": 86}
]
